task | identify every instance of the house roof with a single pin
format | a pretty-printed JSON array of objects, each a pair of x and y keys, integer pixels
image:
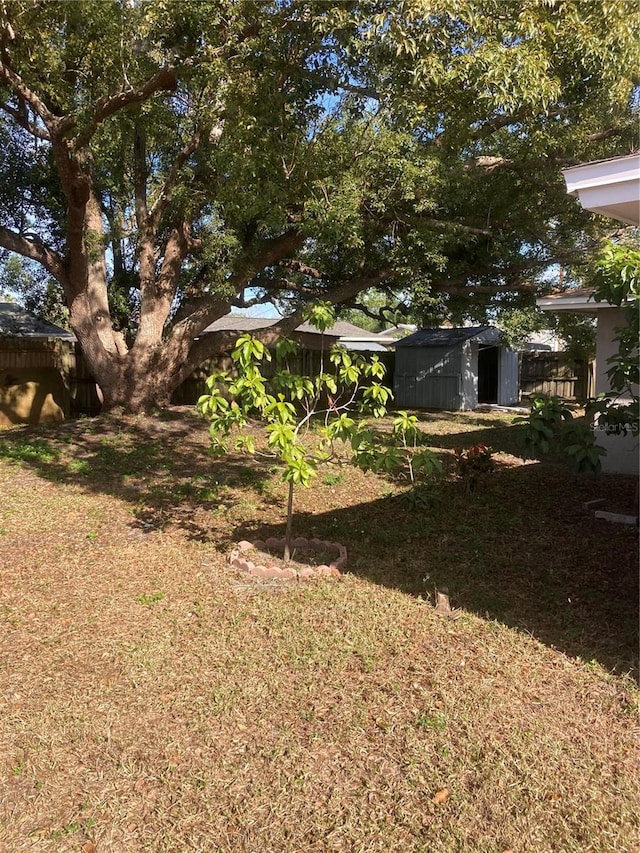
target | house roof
[
  {"x": 15, "y": 322},
  {"x": 450, "y": 337},
  {"x": 346, "y": 332},
  {"x": 362, "y": 346},
  {"x": 342, "y": 329},
  {"x": 609, "y": 187},
  {"x": 394, "y": 333},
  {"x": 579, "y": 300}
]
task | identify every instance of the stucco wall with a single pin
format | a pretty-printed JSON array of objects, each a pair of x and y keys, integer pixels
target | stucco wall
[
  {"x": 609, "y": 319},
  {"x": 622, "y": 450}
]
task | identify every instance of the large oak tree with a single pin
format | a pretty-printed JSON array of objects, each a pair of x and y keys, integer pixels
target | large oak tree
[{"x": 166, "y": 161}]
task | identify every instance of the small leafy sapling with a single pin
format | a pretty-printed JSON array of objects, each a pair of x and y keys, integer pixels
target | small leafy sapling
[
  {"x": 550, "y": 426},
  {"x": 541, "y": 426},
  {"x": 310, "y": 420},
  {"x": 407, "y": 438}
]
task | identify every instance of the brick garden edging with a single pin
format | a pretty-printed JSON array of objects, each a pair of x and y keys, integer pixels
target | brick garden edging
[{"x": 239, "y": 559}]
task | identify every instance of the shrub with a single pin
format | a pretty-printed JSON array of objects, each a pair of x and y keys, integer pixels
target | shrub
[{"x": 473, "y": 463}]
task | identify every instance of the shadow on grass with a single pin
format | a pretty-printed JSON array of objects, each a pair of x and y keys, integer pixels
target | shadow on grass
[
  {"x": 521, "y": 550},
  {"x": 158, "y": 466},
  {"x": 502, "y": 438},
  {"x": 448, "y": 430}
]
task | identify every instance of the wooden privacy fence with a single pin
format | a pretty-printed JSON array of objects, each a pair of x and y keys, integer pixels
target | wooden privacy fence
[
  {"x": 306, "y": 362},
  {"x": 194, "y": 386},
  {"x": 34, "y": 374},
  {"x": 553, "y": 374},
  {"x": 49, "y": 363},
  {"x": 59, "y": 368}
]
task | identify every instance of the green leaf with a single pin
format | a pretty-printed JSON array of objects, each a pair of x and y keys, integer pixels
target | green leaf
[{"x": 322, "y": 316}]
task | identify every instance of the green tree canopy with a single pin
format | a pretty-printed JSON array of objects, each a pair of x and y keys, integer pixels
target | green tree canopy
[{"x": 167, "y": 161}]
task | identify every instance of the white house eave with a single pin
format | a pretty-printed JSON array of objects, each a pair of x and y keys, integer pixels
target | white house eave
[
  {"x": 575, "y": 304},
  {"x": 608, "y": 187},
  {"x": 579, "y": 304}
]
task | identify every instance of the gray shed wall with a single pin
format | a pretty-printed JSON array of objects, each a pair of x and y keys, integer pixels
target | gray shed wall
[{"x": 428, "y": 377}]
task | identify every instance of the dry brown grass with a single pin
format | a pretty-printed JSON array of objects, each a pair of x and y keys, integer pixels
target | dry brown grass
[{"x": 150, "y": 700}]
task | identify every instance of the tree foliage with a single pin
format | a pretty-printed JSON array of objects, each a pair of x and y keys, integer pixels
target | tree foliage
[{"x": 167, "y": 161}]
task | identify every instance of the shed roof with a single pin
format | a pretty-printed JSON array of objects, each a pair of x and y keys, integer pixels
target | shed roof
[
  {"x": 450, "y": 337},
  {"x": 15, "y": 322}
]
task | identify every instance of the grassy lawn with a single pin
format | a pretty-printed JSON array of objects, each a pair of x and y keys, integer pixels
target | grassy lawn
[{"x": 153, "y": 700}]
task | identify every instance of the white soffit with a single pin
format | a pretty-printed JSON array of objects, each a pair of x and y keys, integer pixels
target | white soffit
[
  {"x": 579, "y": 303},
  {"x": 609, "y": 187}
]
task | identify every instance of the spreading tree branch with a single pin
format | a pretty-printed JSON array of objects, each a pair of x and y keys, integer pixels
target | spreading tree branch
[
  {"x": 140, "y": 176},
  {"x": 266, "y": 253},
  {"x": 164, "y": 80},
  {"x": 243, "y": 302},
  {"x": 197, "y": 313},
  {"x": 17, "y": 84},
  {"x": 441, "y": 225},
  {"x": 161, "y": 203},
  {"x": 35, "y": 250},
  {"x": 600, "y": 135},
  {"x": 21, "y": 117},
  {"x": 380, "y": 316},
  {"x": 294, "y": 265}
]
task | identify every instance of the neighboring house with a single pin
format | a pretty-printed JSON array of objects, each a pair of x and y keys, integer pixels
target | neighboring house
[
  {"x": 611, "y": 188},
  {"x": 455, "y": 369},
  {"x": 350, "y": 336},
  {"x": 35, "y": 363},
  {"x": 543, "y": 341},
  {"x": 310, "y": 340}
]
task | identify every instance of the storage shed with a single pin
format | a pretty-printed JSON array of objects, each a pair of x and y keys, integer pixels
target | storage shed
[
  {"x": 36, "y": 359},
  {"x": 455, "y": 369}
]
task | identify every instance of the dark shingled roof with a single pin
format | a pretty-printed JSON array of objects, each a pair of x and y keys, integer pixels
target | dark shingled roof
[
  {"x": 448, "y": 337},
  {"x": 15, "y": 322},
  {"x": 241, "y": 323}
]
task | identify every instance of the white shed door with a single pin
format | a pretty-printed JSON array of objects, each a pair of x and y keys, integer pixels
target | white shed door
[{"x": 508, "y": 378}]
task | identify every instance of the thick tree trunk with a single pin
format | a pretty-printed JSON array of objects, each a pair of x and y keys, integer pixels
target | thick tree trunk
[
  {"x": 133, "y": 397},
  {"x": 136, "y": 382}
]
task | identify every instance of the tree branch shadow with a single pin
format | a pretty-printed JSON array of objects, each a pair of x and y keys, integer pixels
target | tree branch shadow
[{"x": 521, "y": 549}]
